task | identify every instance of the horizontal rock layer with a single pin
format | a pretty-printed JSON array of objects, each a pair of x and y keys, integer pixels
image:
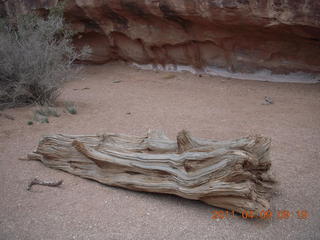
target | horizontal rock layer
[{"x": 238, "y": 35}]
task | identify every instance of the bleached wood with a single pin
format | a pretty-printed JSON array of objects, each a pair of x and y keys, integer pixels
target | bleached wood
[{"x": 229, "y": 174}]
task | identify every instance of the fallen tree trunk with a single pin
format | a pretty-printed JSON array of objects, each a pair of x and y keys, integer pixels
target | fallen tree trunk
[{"x": 229, "y": 174}]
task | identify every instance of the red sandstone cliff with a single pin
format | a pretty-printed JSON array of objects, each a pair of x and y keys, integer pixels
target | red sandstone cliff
[{"x": 239, "y": 35}]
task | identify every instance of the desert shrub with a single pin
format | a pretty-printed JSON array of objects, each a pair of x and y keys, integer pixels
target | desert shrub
[
  {"x": 36, "y": 57},
  {"x": 71, "y": 108}
]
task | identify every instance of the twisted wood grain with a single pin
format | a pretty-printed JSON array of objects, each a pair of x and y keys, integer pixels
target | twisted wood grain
[{"x": 233, "y": 174}]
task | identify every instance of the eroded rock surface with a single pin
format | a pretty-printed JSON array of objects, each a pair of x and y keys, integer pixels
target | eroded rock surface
[{"x": 238, "y": 35}]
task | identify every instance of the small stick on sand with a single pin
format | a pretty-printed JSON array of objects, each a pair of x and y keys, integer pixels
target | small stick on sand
[
  {"x": 43, "y": 183},
  {"x": 267, "y": 100}
]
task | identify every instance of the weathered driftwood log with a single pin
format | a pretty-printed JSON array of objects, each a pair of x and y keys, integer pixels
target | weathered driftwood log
[{"x": 227, "y": 174}]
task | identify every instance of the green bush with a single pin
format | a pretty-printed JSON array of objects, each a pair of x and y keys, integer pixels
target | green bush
[{"x": 36, "y": 57}]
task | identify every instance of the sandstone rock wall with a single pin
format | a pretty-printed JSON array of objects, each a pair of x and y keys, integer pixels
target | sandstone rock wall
[{"x": 238, "y": 35}]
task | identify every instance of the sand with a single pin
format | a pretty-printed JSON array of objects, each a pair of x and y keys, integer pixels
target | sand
[{"x": 123, "y": 99}]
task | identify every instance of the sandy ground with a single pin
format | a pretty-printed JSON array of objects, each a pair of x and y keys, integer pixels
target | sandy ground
[{"x": 210, "y": 107}]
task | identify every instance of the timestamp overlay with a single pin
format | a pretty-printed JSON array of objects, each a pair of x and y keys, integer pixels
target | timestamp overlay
[{"x": 285, "y": 214}]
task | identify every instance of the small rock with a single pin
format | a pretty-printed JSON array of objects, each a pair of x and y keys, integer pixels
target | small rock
[
  {"x": 116, "y": 81},
  {"x": 128, "y": 113}
]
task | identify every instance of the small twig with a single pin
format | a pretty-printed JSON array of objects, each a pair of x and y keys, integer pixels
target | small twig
[
  {"x": 43, "y": 183},
  {"x": 267, "y": 100}
]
